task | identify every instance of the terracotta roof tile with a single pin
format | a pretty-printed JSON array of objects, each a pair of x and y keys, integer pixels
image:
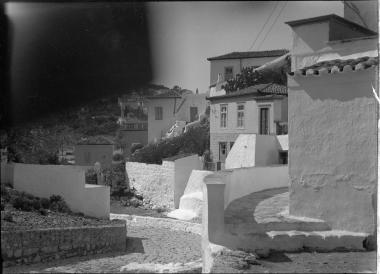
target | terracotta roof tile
[
  {"x": 262, "y": 91},
  {"x": 250, "y": 54},
  {"x": 165, "y": 94},
  {"x": 338, "y": 66}
]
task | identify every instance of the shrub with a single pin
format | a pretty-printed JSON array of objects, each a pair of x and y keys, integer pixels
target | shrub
[
  {"x": 22, "y": 203},
  {"x": 91, "y": 176},
  {"x": 115, "y": 177},
  {"x": 117, "y": 157},
  {"x": 60, "y": 206},
  {"x": 196, "y": 140},
  {"x": 36, "y": 204},
  {"x": 55, "y": 198},
  {"x": 7, "y": 216},
  {"x": 45, "y": 203},
  {"x": 135, "y": 147},
  {"x": 43, "y": 211}
]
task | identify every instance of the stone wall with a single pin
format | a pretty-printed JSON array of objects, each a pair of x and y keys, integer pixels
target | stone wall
[
  {"x": 154, "y": 182},
  {"x": 163, "y": 184},
  {"x": 41, "y": 245}
]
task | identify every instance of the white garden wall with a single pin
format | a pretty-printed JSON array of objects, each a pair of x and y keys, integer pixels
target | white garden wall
[{"x": 67, "y": 181}]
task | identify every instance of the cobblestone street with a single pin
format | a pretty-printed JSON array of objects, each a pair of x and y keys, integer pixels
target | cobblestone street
[{"x": 148, "y": 250}]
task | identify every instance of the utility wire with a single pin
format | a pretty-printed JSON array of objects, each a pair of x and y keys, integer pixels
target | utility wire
[
  {"x": 262, "y": 28},
  {"x": 274, "y": 22}
]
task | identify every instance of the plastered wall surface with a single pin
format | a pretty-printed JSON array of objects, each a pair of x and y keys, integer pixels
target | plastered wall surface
[
  {"x": 183, "y": 168},
  {"x": 243, "y": 181},
  {"x": 332, "y": 149},
  {"x": 67, "y": 181},
  {"x": 157, "y": 128}
]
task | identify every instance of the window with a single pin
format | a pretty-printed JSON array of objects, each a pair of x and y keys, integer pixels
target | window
[
  {"x": 228, "y": 73},
  {"x": 158, "y": 113},
  {"x": 264, "y": 121},
  {"x": 193, "y": 114},
  {"x": 240, "y": 115},
  {"x": 283, "y": 157},
  {"x": 223, "y": 115},
  {"x": 222, "y": 151}
]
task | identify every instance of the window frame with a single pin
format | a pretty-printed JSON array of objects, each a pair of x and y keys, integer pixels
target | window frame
[
  {"x": 158, "y": 115},
  {"x": 232, "y": 72},
  {"x": 242, "y": 126},
  {"x": 222, "y": 113}
]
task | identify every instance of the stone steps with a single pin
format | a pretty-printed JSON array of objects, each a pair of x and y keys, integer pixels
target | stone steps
[
  {"x": 285, "y": 222},
  {"x": 321, "y": 241}
]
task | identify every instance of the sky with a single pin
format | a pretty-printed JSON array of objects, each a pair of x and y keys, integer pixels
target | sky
[{"x": 184, "y": 34}]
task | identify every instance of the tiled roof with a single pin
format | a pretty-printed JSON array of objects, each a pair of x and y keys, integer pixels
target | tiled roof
[
  {"x": 250, "y": 54},
  {"x": 165, "y": 94},
  {"x": 338, "y": 65},
  {"x": 262, "y": 91},
  {"x": 275, "y": 89}
]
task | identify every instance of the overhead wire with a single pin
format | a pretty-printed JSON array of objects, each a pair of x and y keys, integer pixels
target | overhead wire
[
  {"x": 271, "y": 27},
  {"x": 262, "y": 28}
]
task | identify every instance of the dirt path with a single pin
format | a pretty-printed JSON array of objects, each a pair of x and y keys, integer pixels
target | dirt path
[
  {"x": 334, "y": 262},
  {"x": 148, "y": 250}
]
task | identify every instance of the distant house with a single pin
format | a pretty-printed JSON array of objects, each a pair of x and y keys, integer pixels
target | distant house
[
  {"x": 94, "y": 149},
  {"x": 227, "y": 66},
  {"x": 166, "y": 108},
  {"x": 260, "y": 109},
  {"x": 333, "y": 119}
]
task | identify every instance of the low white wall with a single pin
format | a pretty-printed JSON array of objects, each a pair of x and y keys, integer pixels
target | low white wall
[
  {"x": 252, "y": 150},
  {"x": 67, "y": 181},
  {"x": 183, "y": 168},
  {"x": 243, "y": 181}
]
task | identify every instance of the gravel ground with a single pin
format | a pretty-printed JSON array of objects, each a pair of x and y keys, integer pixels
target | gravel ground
[
  {"x": 334, "y": 262},
  {"x": 145, "y": 245}
]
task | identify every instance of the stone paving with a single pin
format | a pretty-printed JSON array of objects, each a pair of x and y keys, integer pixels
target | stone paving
[{"x": 149, "y": 249}]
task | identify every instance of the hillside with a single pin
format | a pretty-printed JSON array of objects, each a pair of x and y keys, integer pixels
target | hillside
[{"x": 40, "y": 140}]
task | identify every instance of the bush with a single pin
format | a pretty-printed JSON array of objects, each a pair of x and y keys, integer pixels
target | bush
[
  {"x": 60, "y": 206},
  {"x": 91, "y": 176},
  {"x": 135, "y": 147},
  {"x": 22, "y": 203},
  {"x": 43, "y": 211},
  {"x": 7, "y": 216},
  {"x": 45, "y": 203},
  {"x": 55, "y": 199},
  {"x": 117, "y": 157},
  {"x": 36, "y": 204},
  {"x": 115, "y": 177},
  {"x": 196, "y": 140}
]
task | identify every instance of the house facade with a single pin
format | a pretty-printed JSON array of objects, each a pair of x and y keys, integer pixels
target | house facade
[
  {"x": 168, "y": 107},
  {"x": 333, "y": 123},
  {"x": 132, "y": 132},
  {"x": 227, "y": 66},
  {"x": 94, "y": 149},
  {"x": 260, "y": 109}
]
